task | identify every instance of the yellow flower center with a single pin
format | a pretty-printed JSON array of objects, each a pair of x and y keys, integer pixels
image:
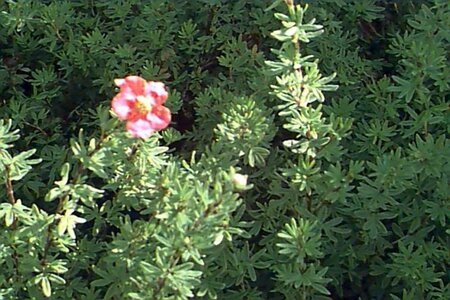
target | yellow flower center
[{"x": 143, "y": 105}]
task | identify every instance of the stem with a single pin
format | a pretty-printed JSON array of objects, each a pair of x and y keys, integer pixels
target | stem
[
  {"x": 36, "y": 127},
  {"x": 12, "y": 200},
  {"x": 308, "y": 202},
  {"x": 57, "y": 33},
  {"x": 62, "y": 200},
  {"x": 9, "y": 186},
  {"x": 161, "y": 281},
  {"x": 211, "y": 14}
]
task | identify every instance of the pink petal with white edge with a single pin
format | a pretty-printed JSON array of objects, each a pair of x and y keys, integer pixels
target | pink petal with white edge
[
  {"x": 131, "y": 84},
  {"x": 159, "y": 118},
  {"x": 121, "y": 106},
  {"x": 124, "y": 88},
  {"x": 119, "y": 82},
  {"x": 137, "y": 84},
  {"x": 158, "y": 91},
  {"x": 140, "y": 128}
]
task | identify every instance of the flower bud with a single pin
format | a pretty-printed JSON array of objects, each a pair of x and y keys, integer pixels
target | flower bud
[{"x": 240, "y": 181}]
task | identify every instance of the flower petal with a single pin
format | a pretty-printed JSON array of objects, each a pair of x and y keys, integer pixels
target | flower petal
[
  {"x": 136, "y": 84},
  {"x": 131, "y": 84},
  {"x": 121, "y": 106},
  {"x": 159, "y": 117},
  {"x": 140, "y": 128},
  {"x": 119, "y": 81},
  {"x": 158, "y": 91}
]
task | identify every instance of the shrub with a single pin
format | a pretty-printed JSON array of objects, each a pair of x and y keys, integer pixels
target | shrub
[{"x": 272, "y": 182}]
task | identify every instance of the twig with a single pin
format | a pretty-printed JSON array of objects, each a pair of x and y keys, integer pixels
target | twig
[
  {"x": 12, "y": 200},
  {"x": 9, "y": 186}
]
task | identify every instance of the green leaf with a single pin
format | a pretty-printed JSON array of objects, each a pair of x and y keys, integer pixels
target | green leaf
[
  {"x": 46, "y": 287},
  {"x": 9, "y": 217}
]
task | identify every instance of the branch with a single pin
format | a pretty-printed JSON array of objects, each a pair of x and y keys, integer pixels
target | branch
[{"x": 9, "y": 186}]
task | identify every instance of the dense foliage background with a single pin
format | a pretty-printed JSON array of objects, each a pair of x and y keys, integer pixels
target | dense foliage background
[{"x": 347, "y": 195}]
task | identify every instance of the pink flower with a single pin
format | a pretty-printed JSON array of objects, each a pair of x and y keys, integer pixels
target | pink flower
[{"x": 140, "y": 103}]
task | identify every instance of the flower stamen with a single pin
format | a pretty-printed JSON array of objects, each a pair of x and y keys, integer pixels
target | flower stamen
[{"x": 143, "y": 105}]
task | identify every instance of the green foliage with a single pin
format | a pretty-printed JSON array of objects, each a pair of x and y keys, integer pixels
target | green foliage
[{"x": 308, "y": 155}]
